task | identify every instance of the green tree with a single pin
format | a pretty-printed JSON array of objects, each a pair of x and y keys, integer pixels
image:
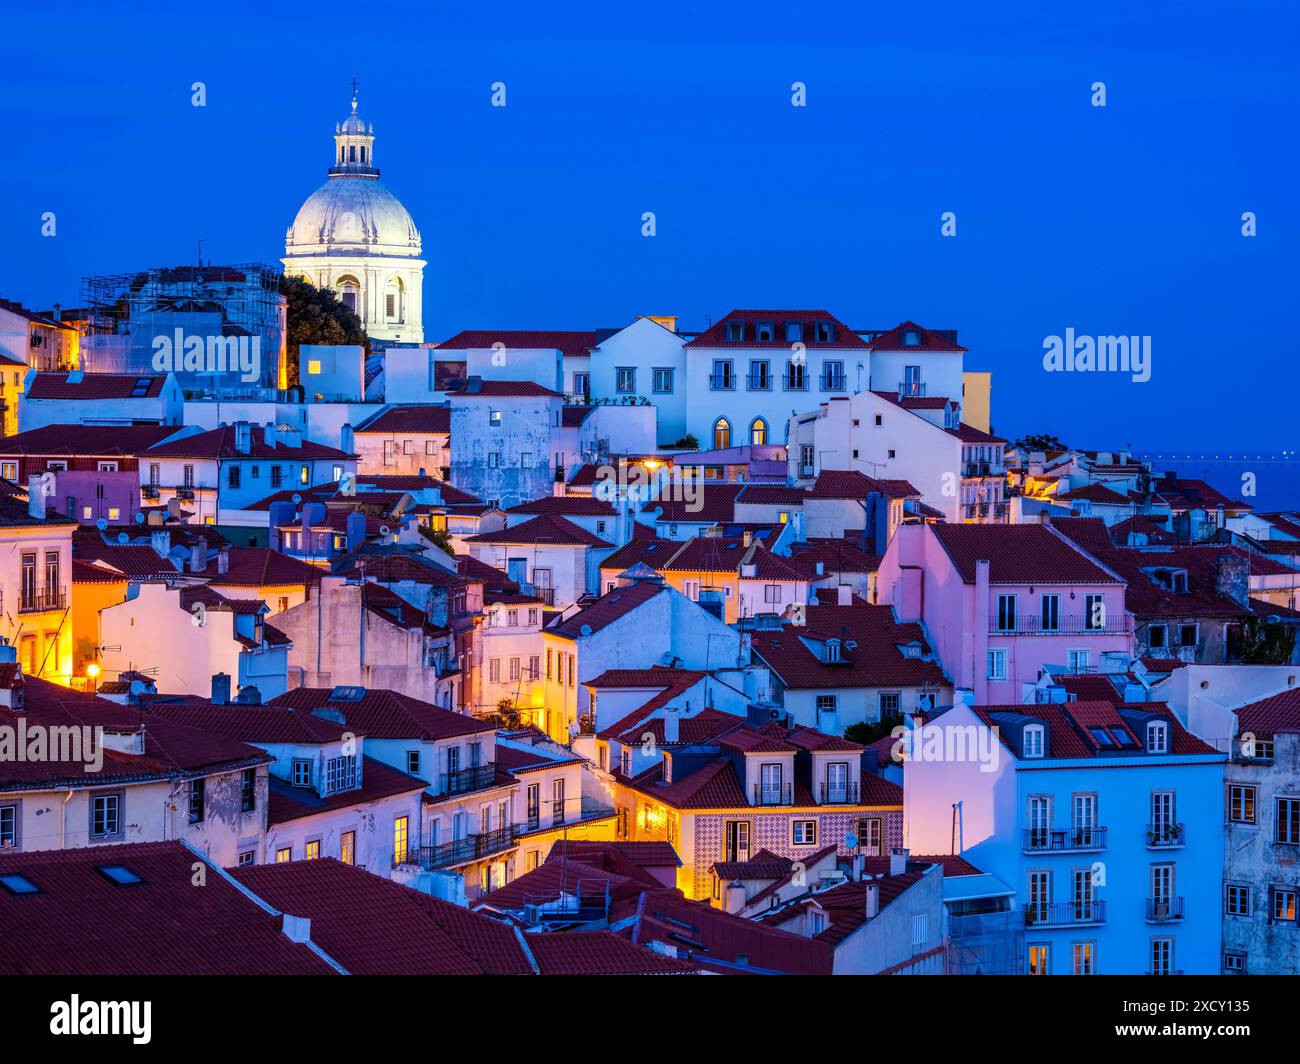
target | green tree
[
  {"x": 867, "y": 732},
  {"x": 316, "y": 316},
  {"x": 1041, "y": 441}
]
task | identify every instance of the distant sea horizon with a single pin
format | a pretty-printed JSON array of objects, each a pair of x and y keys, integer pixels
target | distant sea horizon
[{"x": 1277, "y": 473}]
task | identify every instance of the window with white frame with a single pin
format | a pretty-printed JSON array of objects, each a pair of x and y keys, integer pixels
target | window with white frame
[
  {"x": 1241, "y": 803},
  {"x": 1034, "y": 741},
  {"x": 1157, "y": 737},
  {"x": 1236, "y": 899},
  {"x": 803, "y": 833},
  {"x": 997, "y": 664}
]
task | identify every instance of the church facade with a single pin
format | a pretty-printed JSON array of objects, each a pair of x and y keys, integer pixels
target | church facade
[{"x": 354, "y": 236}]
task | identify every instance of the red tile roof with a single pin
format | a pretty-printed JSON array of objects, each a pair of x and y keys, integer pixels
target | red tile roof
[
  {"x": 378, "y": 781},
  {"x": 1018, "y": 554},
  {"x": 94, "y": 441},
  {"x": 850, "y": 484},
  {"x": 220, "y": 443},
  {"x": 574, "y": 505},
  {"x": 76, "y": 385},
  {"x": 83, "y": 924},
  {"x": 610, "y": 607},
  {"x": 970, "y": 434},
  {"x": 1268, "y": 716},
  {"x": 1149, "y": 526},
  {"x": 599, "y": 953},
  {"x": 836, "y": 555},
  {"x": 1068, "y": 725},
  {"x": 1096, "y": 493},
  {"x": 259, "y": 567},
  {"x": 876, "y": 661},
  {"x": 380, "y": 714},
  {"x": 713, "y": 504},
  {"x": 894, "y": 340},
  {"x": 424, "y": 418},
  {"x": 716, "y": 334},
  {"x": 475, "y": 389},
  {"x": 570, "y": 342},
  {"x": 543, "y": 530}
]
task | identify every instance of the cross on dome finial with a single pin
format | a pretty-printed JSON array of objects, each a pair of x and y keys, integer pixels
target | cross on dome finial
[{"x": 354, "y": 95}]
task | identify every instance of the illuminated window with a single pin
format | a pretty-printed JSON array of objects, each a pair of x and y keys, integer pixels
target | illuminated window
[
  {"x": 721, "y": 434},
  {"x": 284, "y": 856},
  {"x": 313, "y": 850},
  {"x": 348, "y": 847},
  {"x": 758, "y": 431},
  {"x": 401, "y": 828},
  {"x": 313, "y": 366}
]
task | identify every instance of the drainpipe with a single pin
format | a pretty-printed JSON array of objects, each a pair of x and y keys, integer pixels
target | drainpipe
[{"x": 63, "y": 819}]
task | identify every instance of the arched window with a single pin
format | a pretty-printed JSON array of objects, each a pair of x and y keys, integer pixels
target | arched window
[
  {"x": 1033, "y": 742},
  {"x": 721, "y": 434},
  {"x": 394, "y": 301},
  {"x": 1157, "y": 737},
  {"x": 758, "y": 431}
]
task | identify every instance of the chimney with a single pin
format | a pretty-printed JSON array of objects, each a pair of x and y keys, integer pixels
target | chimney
[
  {"x": 161, "y": 541},
  {"x": 36, "y": 496},
  {"x": 872, "y": 901},
  {"x": 243, "y": 437},
  {"x": 199, "y": 555},
  {"x": 747, "y": 538},
  {"x": 356, "y": 530},
  {"x": 898, "y": 860},
  {"x": 843, "y": 595},
  {"x": 223, "y": 559},
  {"x": 1232, "y": 577},
  {"x": 221, "y": 689},
  {"x": 735, "y": 896},
  {"x": 821, "y": 568},
  {"x": 671, "y": 731},
  {"x": 346, "y": 444},
  {"x": 269, "y": 435},
  {"x": 859, "y": 861}
]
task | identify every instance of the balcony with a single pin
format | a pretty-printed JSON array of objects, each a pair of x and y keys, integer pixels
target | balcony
[
  {"x": 780, "y": 794},
  {"x": 545, "y": 595},
  {"x": 910, "y": 388},
  {"x": 839, "y": 793},
  {"x": 467, "y": 780},
  {"x": 1076, "y": 625},
  {"x": 833, "y": 382},
  {"x": 759, "y": 382},
  {"x": 795, "y": 382},
  {"x": 1065, "y": 913},
  {"x": 557, "y": 812},
  {"x": 149, "y": 491},
  {"x": 1064, "y": 840},
  {"x": 722, "y": 382},
  {"x": 41, "y": 600},
  {"x": 1167, "y": 910},
  {"x": 1165, "y": 837},
  {"x": 459, "y": 851}
]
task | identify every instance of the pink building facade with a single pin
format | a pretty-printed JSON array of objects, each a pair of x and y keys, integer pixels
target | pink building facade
[{"x": 1002, "y": 601}]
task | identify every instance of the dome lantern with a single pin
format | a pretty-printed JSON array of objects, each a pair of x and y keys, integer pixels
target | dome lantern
[{"x": 354, "y": 144}]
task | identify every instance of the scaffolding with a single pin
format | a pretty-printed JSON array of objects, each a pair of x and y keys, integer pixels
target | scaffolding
[{"x": 125, "y": 312}]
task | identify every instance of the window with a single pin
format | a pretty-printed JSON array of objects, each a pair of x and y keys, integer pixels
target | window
[
  {"x": 1006, "y": 613},
  {"x": 625, "y": 380},
  {"x": 1157, "y": 636},
  {"x": 826, "y": 709},
  {"x": 1288, "y": 821},
  {"x": 1234, "y": 963},
  {"x": 105, "y": 816},
  {"x": 997, "y": 664},
  {"x": 1085, "y": 955},
  {"x": 735, "y": 332},
  {"x": 833, "y": 376},
  {"x": 824, "y": 332},
  {"x": 284, "y": 856},
  {"x": 794, "y": 332},
  {"x": 341, "y": 774},
  {"x": 1039, "y": 958},
  {"x": 723, "y": 377},
  {"x": 401, "y": 838},
  {"x": 760, "y": 375},
  {"x": 920, "y": 929},
  {"x": 663, "y": 381},
  {"x": 248, "y": 790},
  {"x": 312, "y": 850},
  {"x": 277, "y": 476},
  {"x": 582, "y": 384},
  {"x": 721, "y": 434},
  {"x": 891, "y": 705},
  {"x": 1157, "y": 737},
  {"x": 1187, "y": 635},
  {"x": 494, "y": 418},
  {"x": 871, "y": 834},
  {"x": 1236, "y": 899},
  {"x": 246, "y": 858},
  {"x": 803, "y": 833},
  {"x": 494, "y": 670},
  {"x": 758, "y": 431},
  {"x": 313, "y": 367},
  {"x": 1283, "y": 907},
  {"x": 8, "y": 827},
  {"x": 1094, "y": 612},
  {"x": 1241, "y": 803},
  {"x": 1077, "y": 660},
  {"x": 1051, "y": 606},
  {"x": 796, "y": 375},
  {"x": 1035, "y": 735},
  {"x": 301, "y": 774},
  {"x": 234, "y": 476},
  {"x": 413, "y": 762}
]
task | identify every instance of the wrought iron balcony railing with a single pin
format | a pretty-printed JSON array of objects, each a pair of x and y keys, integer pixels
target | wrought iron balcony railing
[
  {"x": 1064, "y": 840},
  {"x": 1065, "y": 913},
  {"x": 467, "y": 780}
]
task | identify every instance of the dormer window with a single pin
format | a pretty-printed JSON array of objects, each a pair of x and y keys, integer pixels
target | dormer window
[
  {"x": 668, "y": 768},
  {"x": 301, "y": 772},
  {"x": 794, "y": 332},
  {"x": 911, "y": 338},
  {"x": 766, "y": 332},
  {"x": 825, "y": 332},
  {"x": 833, "y": 650},
  {"x": 735, "y": 332},
  {"x": 1157, "y": 737},
  {"x": 1035, "y": 740}
]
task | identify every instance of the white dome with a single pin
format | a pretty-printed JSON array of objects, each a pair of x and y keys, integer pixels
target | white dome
[{"x": 353, "y": 214}]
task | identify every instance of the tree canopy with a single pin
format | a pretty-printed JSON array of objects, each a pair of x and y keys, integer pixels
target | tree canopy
[{"x": 316, "y": 316}]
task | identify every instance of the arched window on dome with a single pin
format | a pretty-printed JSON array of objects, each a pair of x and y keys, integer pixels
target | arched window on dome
[
  {"x": 395, "y": 301},
  {"x": 349, "y": 290},
  {"x": 721, "y": 434},
  {"x": 758, "y": 431}
]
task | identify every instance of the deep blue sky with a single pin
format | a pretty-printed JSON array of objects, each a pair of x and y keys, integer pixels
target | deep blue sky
[{"x": 1115, "y": 220}]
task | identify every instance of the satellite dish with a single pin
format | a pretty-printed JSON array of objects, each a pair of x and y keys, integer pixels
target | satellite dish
[
  {"x": 296, "y": 498},
  {"x": 139, "y": 517},
  {"x": 384, "y": 530},
  {"x": 122, "y": 537},
  {"x": 101, "y": 524}
]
